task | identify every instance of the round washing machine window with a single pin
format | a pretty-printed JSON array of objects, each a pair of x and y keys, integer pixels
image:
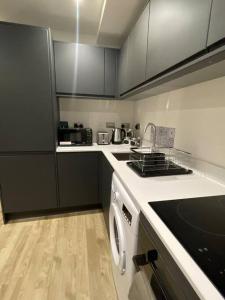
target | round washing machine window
[{"x": 117, "y": 238}]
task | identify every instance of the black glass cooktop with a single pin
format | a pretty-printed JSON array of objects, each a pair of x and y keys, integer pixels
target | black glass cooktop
[{"x": 199, "y": 225}]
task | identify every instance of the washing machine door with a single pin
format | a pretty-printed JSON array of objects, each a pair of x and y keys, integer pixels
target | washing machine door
[{"x": 117, "y": 238}]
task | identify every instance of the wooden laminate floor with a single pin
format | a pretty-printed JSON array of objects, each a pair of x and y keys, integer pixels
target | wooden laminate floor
[{"x": 56, "y": 258}]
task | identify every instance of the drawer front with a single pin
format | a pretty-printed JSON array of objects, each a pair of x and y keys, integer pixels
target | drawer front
[{"x": 28, "y": 182}]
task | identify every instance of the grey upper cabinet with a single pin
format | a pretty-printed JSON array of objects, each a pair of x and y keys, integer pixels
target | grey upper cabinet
[
  {"x": 137, "y": 50},
  {"x": 28, "y": 182},
  {"x": 111, "y": 61},
  {"x": 123, "y": 68},
  {"x": 217, "y": 22},
  {"x": 177, "y": 30},
  {"x": 79, "y": 69},
  {"x": 26, "y": 89}
]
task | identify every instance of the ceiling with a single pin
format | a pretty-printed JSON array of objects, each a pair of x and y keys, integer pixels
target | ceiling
[
  {"x": 118, "y": 17},
  {"x": 102, "y": 22}
]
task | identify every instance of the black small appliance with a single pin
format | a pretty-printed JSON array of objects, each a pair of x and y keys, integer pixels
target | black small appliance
[{"x": 75, "y": 136}]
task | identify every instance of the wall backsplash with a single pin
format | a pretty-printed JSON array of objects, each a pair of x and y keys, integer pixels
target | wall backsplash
[
  {"x": 95, "y": 113},
  {"x": 198, "y": 114}
]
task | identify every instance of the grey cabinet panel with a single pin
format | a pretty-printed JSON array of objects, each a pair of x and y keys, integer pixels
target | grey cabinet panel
[
  {"x": 28, "y": 182},
  {"x": 79, "y": 69},
  {"x": 217, "y": 22},
  {"x": 137, "y": 50},
  {"x": 177, "y": 30},
  {"x": 123, "y": 68},
  {"x": 78, "y": 179},
  {"x": 172, "y": 277},
  {"x": 111, "y": 56},
  {"x": 105, "y": 182},
  {"x": 26, "y": 91}
]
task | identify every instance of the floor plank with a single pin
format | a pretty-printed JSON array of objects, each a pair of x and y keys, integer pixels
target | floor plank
[{"x": 56, "y": 258}]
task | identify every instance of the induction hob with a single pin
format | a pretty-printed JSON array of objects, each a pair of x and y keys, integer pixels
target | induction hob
[{"x": 199, "y": 225}]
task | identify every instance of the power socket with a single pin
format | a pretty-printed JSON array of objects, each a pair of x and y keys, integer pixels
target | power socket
[
  {"x": 110, "y": 124},
  {"x": 125, "y": 125}
]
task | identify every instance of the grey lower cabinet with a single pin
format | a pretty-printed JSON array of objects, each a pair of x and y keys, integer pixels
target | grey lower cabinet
[
  {"x": 217, "y": 22},
  {"x": 28, "y": 182},
  {"x": 177, "y": 30},
  {"x": 123, "y": 68},
  {"x": 111, "y": 67},
  {"x": 26, "y": 89},
  {"x": 105, "y": 181},
  {"x": 79, "y": 69},
  {"x": 84, "y": 179},
  {"x": 137, "y": 50},
  {"x": 78, "y": 179}
]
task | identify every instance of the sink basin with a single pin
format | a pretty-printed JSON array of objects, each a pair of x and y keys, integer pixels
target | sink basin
[{"x": 122, "y": 155}]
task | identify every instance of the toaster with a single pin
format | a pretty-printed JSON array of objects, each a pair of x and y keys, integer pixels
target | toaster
[{"x": 103, "y": 138}]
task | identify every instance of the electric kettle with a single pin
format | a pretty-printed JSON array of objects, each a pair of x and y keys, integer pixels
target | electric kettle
[{"x": 118, "y": 135}]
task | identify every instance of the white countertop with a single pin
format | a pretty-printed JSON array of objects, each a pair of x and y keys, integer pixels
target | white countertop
[{"x": 144, "y": 190}]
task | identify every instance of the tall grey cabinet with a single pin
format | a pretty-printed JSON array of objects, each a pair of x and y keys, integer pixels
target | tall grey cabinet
[
  {"x": 26, "y": 89},
  {"x": 137, "y": 50},
  {"x": 217, "y": 22},
  {"x": 27, "y": 119},
  {"x": 177, "y": 30}
]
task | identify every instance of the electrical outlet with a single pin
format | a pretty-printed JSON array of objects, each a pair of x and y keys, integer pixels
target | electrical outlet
[
  {"x": 125, "y": 125},
  {"x": 110, "y": 124}
]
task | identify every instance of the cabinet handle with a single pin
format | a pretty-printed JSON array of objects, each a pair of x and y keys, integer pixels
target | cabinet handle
[
  {"x": 149, "y": 259},
  {"x": 139, "y": 260}
]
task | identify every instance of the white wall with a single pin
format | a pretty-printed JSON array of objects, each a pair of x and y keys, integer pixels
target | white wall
[
  {"x": 198, "y": 114},
  {"x": 95, "y": 113}
]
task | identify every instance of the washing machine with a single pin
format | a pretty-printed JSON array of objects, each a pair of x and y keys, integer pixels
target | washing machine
[{"x": 123, "y": 226}]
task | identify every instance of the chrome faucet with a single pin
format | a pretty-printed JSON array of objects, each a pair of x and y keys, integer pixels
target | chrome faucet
[{"x": 153, "y": 147}]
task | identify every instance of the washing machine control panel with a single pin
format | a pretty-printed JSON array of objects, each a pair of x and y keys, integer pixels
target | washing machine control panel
[{"x": 127, "y": 215}]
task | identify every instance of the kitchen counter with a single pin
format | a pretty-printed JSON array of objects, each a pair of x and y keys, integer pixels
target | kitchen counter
[{"x": 144, "y": 190}]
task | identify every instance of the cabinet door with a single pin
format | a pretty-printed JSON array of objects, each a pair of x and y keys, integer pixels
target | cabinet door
[
  {"x": 137, "y": 50},
  {"x": 79, "y": 69},
  {"x": 123, "y": 68},
  {"x": 177, "y": 30},
  {"x": 78, "y": 179},
  {"x": 28, "y": 182},
  {"x": 111, "y": 56},
  {"x": 105, "y": 176},
  {"x": 217, "y": 22},
  {"x": 26, "y": 92}
]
